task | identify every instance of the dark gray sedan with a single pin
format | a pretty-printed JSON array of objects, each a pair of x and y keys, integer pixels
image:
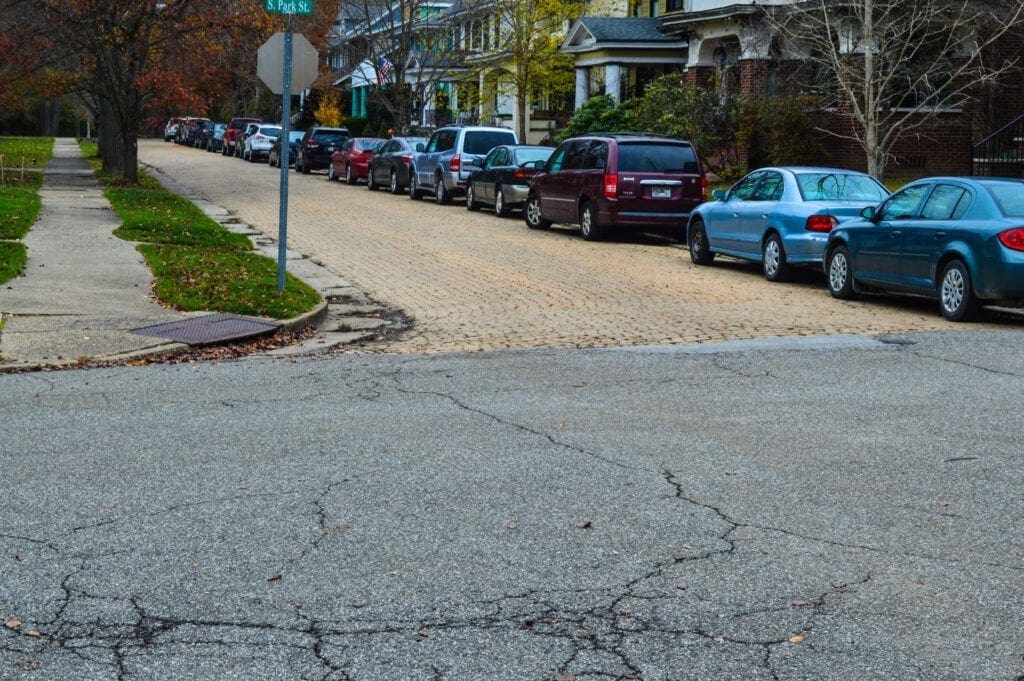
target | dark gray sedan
[
  {"x": 504, "y": 177},
  {"x": 389, "y": 166}
]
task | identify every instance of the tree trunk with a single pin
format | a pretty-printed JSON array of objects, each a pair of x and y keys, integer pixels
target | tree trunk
[{"x": 51, "y": 118}]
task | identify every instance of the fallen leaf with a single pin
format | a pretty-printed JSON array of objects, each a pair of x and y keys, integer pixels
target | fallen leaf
[
  {"x": 796, "y": 639},
  {"x": 421, "y": 634},
  {"x": 565, "y": 423},
  {"x": 585, "y": 525},
  {"x": 35, "y": 634},
  {"x": 565, "y": 676},
  {"x": 393, "y": 573},
  {"x": 687, "y": 547},
  {"x": 360, "y": 604},
  {"x": 12, "y": 624},
  {"x": 719, "y": 639},
  {"x": 798, "y": 604},
  {"x": 512, "y": 526},
  {"x": 274, "y": 578},
  {"x": 344, "y": 527}
]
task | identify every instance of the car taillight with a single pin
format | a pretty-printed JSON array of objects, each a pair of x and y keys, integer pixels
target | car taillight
[
  {"x": 1013, "y": 238},
  {"x": 259, "y": 137},
  {"x": 455, "y": 164},
  {"x": 821, "y": 223},
  {"x": 407, "y": 159},
  {"x": 519, "y": 174},
  {"x": 312, "y": 144},
  {"x": 611, "y": 186}
]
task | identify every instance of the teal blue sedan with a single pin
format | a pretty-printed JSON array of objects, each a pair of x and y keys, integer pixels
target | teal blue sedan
[{"x": 958, "y": 240}]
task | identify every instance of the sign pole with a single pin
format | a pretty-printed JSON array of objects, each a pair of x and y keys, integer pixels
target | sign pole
[{"x": 286, "y": 114}]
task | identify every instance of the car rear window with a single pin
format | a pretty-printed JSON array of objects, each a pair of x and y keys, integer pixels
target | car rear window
[
  {"x": 527, "y": 155},
  {"x": 1009, "y": 197},
  {"x": 657, "y": 157},
  {"x": 839, "y": 187},
  {"x": 369, "y": 145},
  {"x": 271, "y": 132},
  {"x": 334, "y": 136},
  {"x": 482, "y": 141}
]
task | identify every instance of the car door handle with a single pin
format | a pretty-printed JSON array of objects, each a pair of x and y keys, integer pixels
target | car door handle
[
  {"x": 895, "y": 234},
  {"x": 735, "y": 215},
  {"x": 940, "y": 235}
]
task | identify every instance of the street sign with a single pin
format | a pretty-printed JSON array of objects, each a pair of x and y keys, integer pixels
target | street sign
[
  {"x": 290, "y": 6},
  {"x": 270, "y": 62}
]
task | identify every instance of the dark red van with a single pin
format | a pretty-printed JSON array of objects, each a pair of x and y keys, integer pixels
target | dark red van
[{"x": 605, "y": 180}]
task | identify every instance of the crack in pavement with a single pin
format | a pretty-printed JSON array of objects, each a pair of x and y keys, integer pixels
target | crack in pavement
[{"x": 963, "y": 363}]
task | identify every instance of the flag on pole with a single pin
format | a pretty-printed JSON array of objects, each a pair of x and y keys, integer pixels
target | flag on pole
[{"x": 384, "y": 70}]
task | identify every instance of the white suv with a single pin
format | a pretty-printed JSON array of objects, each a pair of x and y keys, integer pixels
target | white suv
[
  {"x": 452, "y": 153},
  {"x": 257, "y": 145}
]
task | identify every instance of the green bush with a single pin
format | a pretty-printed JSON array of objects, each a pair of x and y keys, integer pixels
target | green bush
[
  {"x": 597, "y": 113},
  {"x": 356, "y": 125}
]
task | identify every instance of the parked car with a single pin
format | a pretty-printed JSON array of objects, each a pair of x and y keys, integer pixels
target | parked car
[
  {"x": 602, "y": 181},
  {"x": 171, "y": 129},
  {"x": 504, "y": 177},
  {"x": 390, "y": 164},
  {"x": 317, "y": 146},
  {"x": 779, "y": 217},
  {"x": 250, "y": 128},
  {"x": 451, "y": 154},
  {"x": 274, "y": 155},
  {"x": 236, "y": 126},
  {"x": 216, "y": 137},
  {"x": 189, "y": 130},
  {"x": 352, "y": 160},
  {"x": 256, "y": 146},
  {"x": 957, "y": 239},
  {"x": 206, "y": 134}
]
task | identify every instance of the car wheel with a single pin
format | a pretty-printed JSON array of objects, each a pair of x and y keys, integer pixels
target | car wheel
[
  {"x": 773, "y": 259},
  {"x": 840, "y": 274},
  {"x": 700, "y": 251},
  {"x": 414, "y": 187},
  {"x": 589, "y": 228},
  {"x": 441, "y": 194},
  {"x": 330, "y": 173},
  {"x": 371, "y": 183},
  {"x": 306, "y": 170},
  {"x": 956, "y": 294},
  {"x": 500, "y": 207},
  {"x": 349, "y": 177},
  {"x": 393, "y": 185},
  {"x": 532, "y": 214},
  {"x": 471, "y": 202}
]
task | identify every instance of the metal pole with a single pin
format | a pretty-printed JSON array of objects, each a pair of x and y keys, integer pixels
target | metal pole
[{"x": 286, "y": 114}]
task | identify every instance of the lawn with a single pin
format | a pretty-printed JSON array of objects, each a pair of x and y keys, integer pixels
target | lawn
[
  {"x": 197, "y": 263},
  {"x": 19, "y": 196}
]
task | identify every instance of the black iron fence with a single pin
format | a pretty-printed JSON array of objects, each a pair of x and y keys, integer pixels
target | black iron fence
[{"x": 1001, "y": 154}]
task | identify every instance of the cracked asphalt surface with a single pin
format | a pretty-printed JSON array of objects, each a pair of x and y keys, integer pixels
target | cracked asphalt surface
[{"x": 841, "y": 508}]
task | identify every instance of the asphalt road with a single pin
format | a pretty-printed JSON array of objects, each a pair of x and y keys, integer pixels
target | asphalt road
[{"x": 840, "y": 508}]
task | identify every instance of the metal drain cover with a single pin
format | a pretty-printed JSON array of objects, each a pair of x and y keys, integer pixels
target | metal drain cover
[{"x": 214, "y": 328}]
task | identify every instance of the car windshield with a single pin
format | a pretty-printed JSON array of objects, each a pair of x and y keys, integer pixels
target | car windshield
[
  {"x": 657, "y": 157},
  {"x": 295, "y": 135},
  {"x": 271, "y": 132},
  {"x": 482, "y": 141},
  {"x": 413, "y": 141},
  {"x": 1009, "y": 197},
  {"x": 529, "y": 155},
  {"x": 839, "y": 187}
]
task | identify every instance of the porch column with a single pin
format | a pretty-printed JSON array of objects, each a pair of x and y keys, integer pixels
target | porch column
[
  {"x": 582, "y": 86},
  {"x": 613, "y": 81}
]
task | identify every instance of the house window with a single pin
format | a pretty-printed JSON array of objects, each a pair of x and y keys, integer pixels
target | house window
[
  {"x": 654, "y": 8},
  {"x": 673, "y": 5}
]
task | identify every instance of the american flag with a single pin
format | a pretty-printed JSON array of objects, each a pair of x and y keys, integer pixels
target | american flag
[{"x": 384, "y": 70}]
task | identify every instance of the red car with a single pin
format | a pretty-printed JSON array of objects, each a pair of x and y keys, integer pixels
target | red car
[
  {"x": 352, "y": 161},
  {"x": 235, "y": 127}
]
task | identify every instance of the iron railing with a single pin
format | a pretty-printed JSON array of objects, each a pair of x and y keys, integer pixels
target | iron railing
[{"x": 1001, "y": 154}]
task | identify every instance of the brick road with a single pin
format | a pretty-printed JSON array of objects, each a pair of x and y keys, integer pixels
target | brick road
[{"x": 473, "y": 281}]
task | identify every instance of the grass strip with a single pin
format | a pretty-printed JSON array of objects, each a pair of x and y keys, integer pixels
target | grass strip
[
  {"x": 198, "y": 278},
  {"x": 12, "y": 260},
  {"x": 197, "y": 263},
  {"x": 19, "y": 206},
  {"x": 35, "y": 152}
]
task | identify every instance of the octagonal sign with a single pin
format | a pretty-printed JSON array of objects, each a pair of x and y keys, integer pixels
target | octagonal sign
[{"x": 270, "y": 63}]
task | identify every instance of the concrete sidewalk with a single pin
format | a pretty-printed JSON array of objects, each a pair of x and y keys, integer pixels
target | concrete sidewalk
[{"x": 83, "y": 287}]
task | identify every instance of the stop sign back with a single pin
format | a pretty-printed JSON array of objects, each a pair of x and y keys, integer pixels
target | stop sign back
[{"x": 270, "y": 63}]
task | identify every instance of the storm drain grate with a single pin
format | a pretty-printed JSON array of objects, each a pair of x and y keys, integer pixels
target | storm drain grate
[{"x": 214, "y": 328}]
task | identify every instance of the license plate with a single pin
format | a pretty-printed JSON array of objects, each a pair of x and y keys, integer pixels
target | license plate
[
  {"x": 331, "y": 148},
  {"x": 661, "y": 192}
]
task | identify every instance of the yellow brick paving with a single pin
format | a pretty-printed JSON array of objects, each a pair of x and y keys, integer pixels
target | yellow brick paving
[{"x": 473, "y": 281}]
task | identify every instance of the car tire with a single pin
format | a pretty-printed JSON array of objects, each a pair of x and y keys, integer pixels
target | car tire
[
  {"x": 501, "y": 208},
  {"x": 773, "y": 259},
  {"x": 349, "y": 177},
  {"x": 700, "y": 250},
  {"x": 393, "y": 185},
  {"x": 414, "y": 187},
  {"x": 306, "y": 170},
  {"x": 957, "y": 300},
  {"x": 589, "y": 228},
  {"x": 839, "y": 273},
  {"x": 532, "y": 214},
  {"x": 371, "y": 183},
  {"x": 441, "y": 194},
  {"x": 331, "y": 177},
  {"x": 471, "y": 202}
]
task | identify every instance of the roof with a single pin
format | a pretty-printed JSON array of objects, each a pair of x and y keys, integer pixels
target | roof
[{"x": 625, "y": 29}]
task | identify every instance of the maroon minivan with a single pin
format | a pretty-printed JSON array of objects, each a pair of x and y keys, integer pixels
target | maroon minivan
[{"x": 605, "y": 180}]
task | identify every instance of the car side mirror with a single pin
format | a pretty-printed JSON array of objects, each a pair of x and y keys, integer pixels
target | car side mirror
[
  {"x": 868, "y": 213},
  {"x": 420, "y": 147},
  {"x": 719, "y": 194},
  {"x": 542, "y": 166}
]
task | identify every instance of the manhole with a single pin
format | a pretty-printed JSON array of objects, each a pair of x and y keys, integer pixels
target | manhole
[{"x": 214, "y": 328}]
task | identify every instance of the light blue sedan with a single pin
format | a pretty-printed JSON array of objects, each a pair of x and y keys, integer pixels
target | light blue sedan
[
  {"x": 957, "y": 239},
  {"x": 779, "y": 216}
]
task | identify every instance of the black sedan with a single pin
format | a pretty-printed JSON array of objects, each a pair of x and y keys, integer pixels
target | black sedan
[
  {"x": 389, "y": 166},
  {"x": 274, "y": 157},
  {"x": 503, "y": 180}
]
